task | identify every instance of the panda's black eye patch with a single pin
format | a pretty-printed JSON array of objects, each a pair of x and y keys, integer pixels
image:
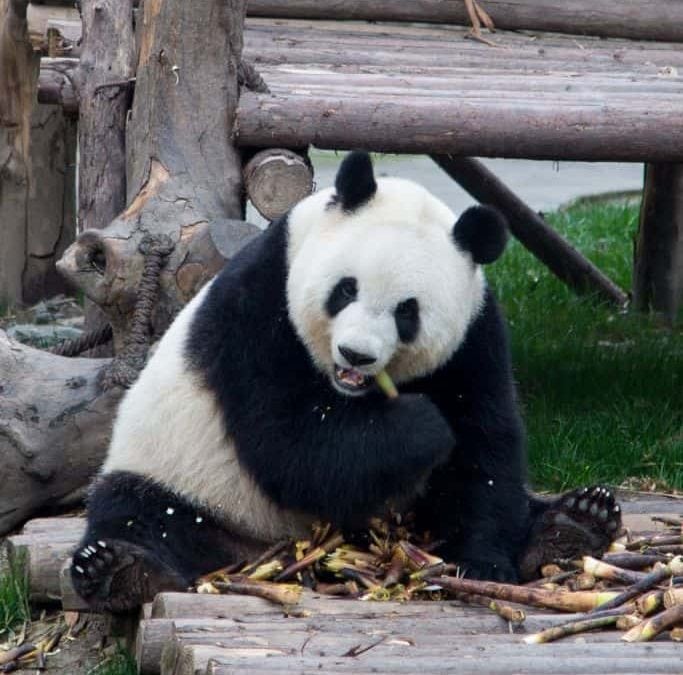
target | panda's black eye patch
[
  {"x": 407, "y": 315},
  {"x": 345, "y": 292}
]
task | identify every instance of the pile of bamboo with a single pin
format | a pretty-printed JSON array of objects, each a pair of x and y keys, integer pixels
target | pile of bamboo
[{"x": 637, "y": 587}]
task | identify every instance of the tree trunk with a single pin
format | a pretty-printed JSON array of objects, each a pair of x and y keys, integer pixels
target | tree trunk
[
  {"x": 184, "y": 177},
  {"x": 54, "y": 428},
  {"x": 658, "y": 260},
  {"x": 37, "y": 210}
]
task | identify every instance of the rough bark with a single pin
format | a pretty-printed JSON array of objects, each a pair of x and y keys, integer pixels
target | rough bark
[
  {"x": 105, "y": 67},
  {"x": 184, "y": 176},
  {"x": 54, "y": 428},
  {"x": 658, "y": 262},
  {"x": 37, "y": 210},
  {"x": 532, "y": 231},
  {"x": 506, "y": 126},
  {"x": 652, "y": 20}
]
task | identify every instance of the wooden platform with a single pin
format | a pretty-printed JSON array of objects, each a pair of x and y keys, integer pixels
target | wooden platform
[
  {"x": 225, "y": 634},
  {"x": 424, "y": 88},
  {"x": 201, "y": 634}
]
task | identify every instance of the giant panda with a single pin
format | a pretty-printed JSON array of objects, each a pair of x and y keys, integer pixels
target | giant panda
[{"x": 259, "y": 412}]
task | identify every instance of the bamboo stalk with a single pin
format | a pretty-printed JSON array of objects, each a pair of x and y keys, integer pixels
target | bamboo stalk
[
  {"x": 656, "y": 540},
  {"x": 572, "y": 628},
  {"x": 311, "y": 557},
  {"x": 633, "y": 561},
  {"x": 604, "y": 570},
  {"x": 512, "y": 614},
  {"x": 673, "y": 597},
  {"x": 579, "y": 601},
  {"x": 386, "y": 384},
  {"x": 649, "y": 629},
  {"x": 651, "y": 602},
  {"x": 281, "y": 594},
  {"x": 675, "y": 566},
  {"x": 268, "y": 554}
]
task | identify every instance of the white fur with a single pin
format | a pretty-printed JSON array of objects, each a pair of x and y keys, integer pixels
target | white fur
[
  {"x": 398, "y": 246},
  {"x": 170, "y": 429}
]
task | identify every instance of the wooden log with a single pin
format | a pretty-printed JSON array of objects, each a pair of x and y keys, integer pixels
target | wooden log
[
  {"x": 658, "y": 256},
  {"x": 481, "y": 657},
  {"x": 54, "y": 429},
  {"x": 531, "y": 230},
  {"x": 654, "y": 20},
  {"x": 457, "y": 126},
  {"x": 44, "y": 552},
  {"x": 41, "y": 17},
  {"x": 276, "y": 179},
  {"x": 56, "y": 83}
]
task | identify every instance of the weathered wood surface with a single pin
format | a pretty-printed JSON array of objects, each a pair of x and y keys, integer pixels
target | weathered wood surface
[
  {"x": 658, "y": 267},
  {"x": 54, "y": 429},
  {"x": 651, "y": 20},
  {"x": 531, "y": 230},
  {"x": 419, "y": 89},
  {"x": 276, "y": 179},
  {"x": 183, "y": 176},
  {"x": 106, "y": 62},
  {"x": 403, "y": 88},
  {"x": 239, "y": 634}
]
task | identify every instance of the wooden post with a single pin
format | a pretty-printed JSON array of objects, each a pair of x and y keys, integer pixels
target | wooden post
[
  {"x": 532, "y": 231},
  {"x": 658, "y": 259},
  {"x": 37, "y": 211},
  {"x": 105, "y": 68}
]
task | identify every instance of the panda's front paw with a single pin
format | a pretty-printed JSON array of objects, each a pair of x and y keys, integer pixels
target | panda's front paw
[{"x": 500, "y": 570}]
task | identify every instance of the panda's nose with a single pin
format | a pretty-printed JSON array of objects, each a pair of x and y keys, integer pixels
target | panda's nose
[{"x": 356, "y": 358}]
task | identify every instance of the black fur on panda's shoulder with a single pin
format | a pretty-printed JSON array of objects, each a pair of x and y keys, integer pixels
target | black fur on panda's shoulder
[{"x": 308, "y": 447}]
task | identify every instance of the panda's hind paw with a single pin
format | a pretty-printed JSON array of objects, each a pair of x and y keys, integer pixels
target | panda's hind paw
[
  {"x": 581, "y": 522},
  {"x": 116, "y": 576}
]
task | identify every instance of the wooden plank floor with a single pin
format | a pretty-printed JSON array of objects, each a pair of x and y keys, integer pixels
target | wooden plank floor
[
  {"x": 235, "y": 634},
  {"x": 201, "y": 634}
]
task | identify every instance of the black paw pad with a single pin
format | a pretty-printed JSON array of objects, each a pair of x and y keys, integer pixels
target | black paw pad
[
  {"x": 593, "y": 508},
  {"x": 92, "y": 568}
]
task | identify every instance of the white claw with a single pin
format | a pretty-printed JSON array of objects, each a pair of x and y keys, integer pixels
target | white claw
[
  {"x": 85, "y": 553},
  {"x": 92, "y": 549},
  {"x": 170, "y": 511},
  {"x": 79, "y": 569},
  {"x": 101, "y": 543}
]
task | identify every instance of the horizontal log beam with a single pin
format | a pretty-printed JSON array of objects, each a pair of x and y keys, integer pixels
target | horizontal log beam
[
  {"x": 531, "y": 230},
  {"x": 638, "y": 130},
  {"x": 56, "y": 83},
  {"x": 652, "y": 20}
]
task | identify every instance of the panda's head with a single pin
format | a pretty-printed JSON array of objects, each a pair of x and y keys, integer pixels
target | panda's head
[{"x": 381, "y": 276}]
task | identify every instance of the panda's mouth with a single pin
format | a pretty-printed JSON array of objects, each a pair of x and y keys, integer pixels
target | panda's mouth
[{"x": 351, "y": 381}]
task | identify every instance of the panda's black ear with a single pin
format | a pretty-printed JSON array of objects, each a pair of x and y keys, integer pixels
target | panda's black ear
[
  {"x": 483, "y": 231},
  {"x": 355, "y": 183}
]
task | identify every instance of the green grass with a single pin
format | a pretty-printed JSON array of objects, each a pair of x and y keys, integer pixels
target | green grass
[
  {"x": 601, "y": 390},
  {"x": 121, "y": 662},
  {"x": 14, "y": 607}
]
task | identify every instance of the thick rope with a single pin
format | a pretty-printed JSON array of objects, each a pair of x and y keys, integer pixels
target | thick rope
[
  {"x": 93, "y": 338},
  {"x": 126, "y": 366}
]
